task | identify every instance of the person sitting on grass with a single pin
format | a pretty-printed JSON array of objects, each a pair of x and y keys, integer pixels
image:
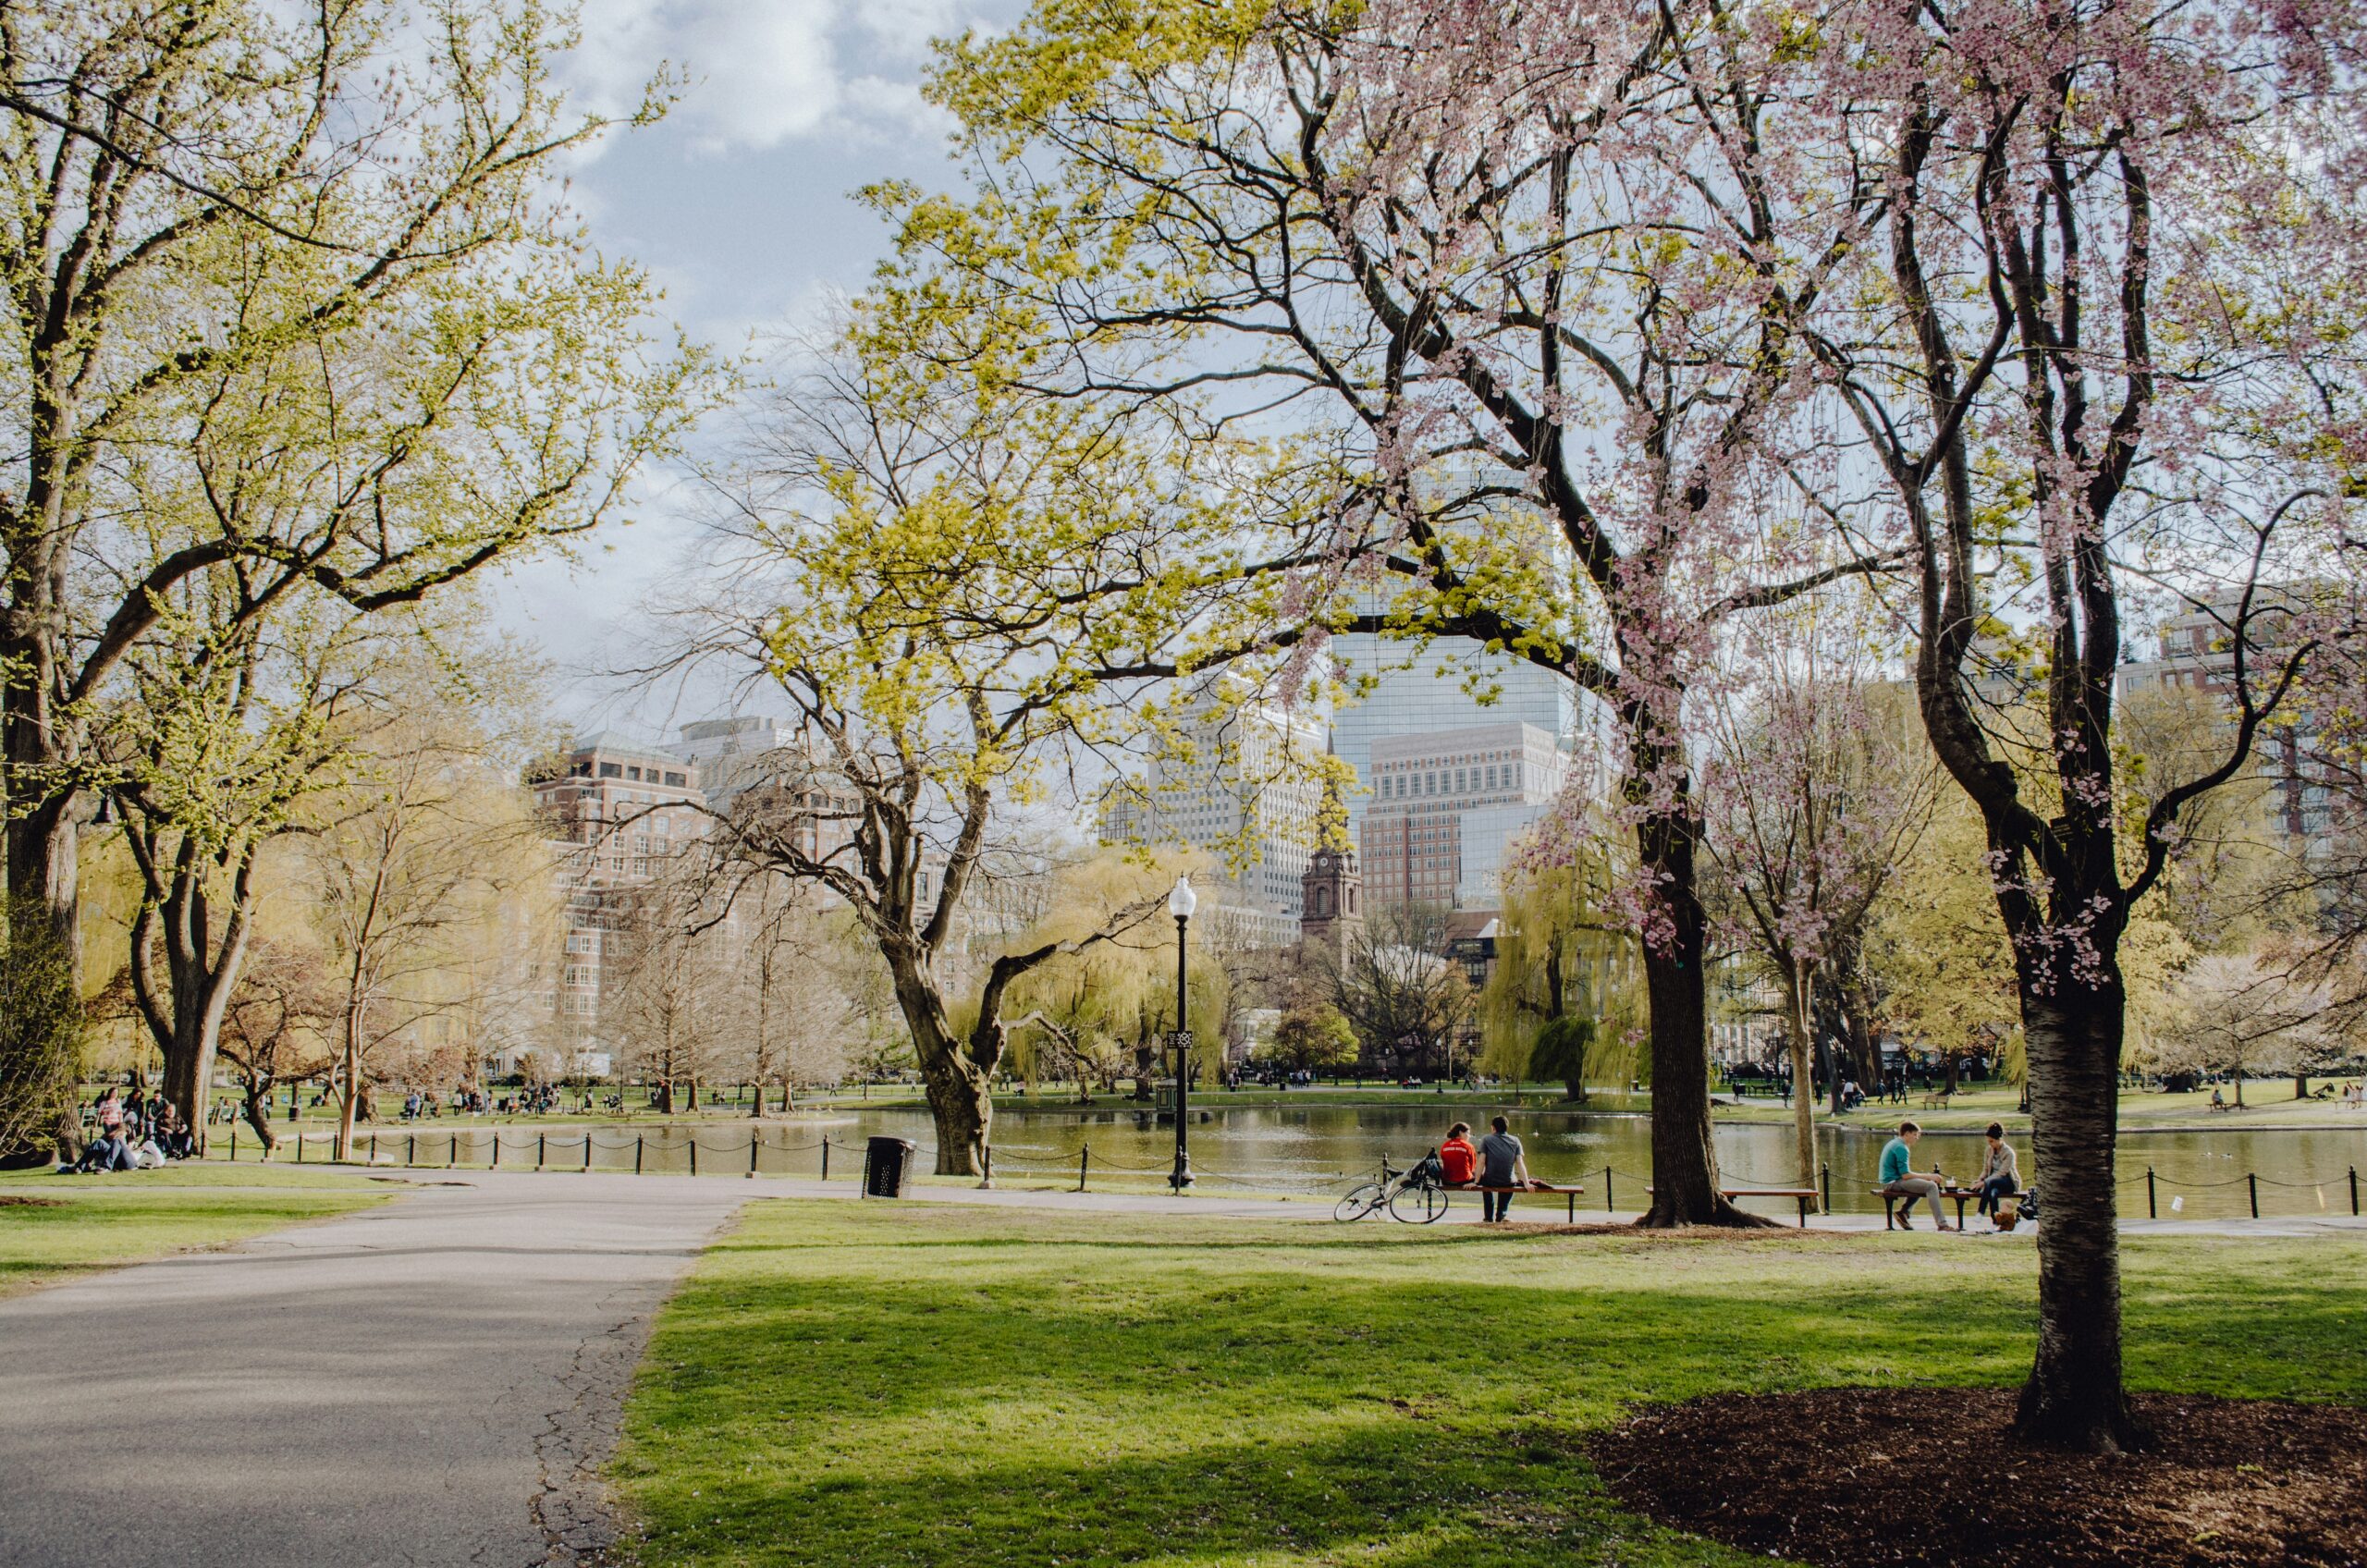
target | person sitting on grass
[
  {"x": 2001, "y": 1178},
  {"x": 1503, "y": 1164},
  {"x": 1901, "y": 1180},
  {"x": 1458, "y": 1158},
  {"x": 107, "y": 1152},
  {"x": 172, "y": 1135}
]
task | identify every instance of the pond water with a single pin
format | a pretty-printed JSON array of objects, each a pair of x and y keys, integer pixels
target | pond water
[{"x": 1321, "y": 1149}]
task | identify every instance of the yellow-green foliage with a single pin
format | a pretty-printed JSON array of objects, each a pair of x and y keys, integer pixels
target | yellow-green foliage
[{"x": 1561, "y": 916}]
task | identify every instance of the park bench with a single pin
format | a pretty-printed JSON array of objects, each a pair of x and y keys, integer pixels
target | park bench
[
  {"x": 1937, "y": 1099},
  {"x": 1801, "y": 1195},
  {"x": 1569, "y": 1193},
  {"x": 1894, "y": 1220}
]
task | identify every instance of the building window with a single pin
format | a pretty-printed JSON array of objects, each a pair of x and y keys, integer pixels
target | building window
[{"x": 610, "y": 770}]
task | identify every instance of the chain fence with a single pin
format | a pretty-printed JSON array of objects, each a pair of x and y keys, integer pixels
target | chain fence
[{"x": 713, "y": 1151}]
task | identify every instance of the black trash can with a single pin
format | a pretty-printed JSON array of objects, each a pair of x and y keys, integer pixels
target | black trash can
[{"x": 886, "y": 1168}]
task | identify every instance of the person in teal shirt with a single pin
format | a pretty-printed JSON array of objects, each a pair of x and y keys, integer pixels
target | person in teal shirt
[{"x": 1900, "y": 1178}]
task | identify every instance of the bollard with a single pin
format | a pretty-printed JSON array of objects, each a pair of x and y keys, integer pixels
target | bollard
[
  {"x": 987, "y": 1160},
  {"x": 299, "y": 1149},
  {"x": 2150, "y": 1211},
  {"x": 497, "y": 1151},
  {"x": 587, "y": 1149},
  {"x": 538, "y": 1150},
  {"x": 1825, "y": 1179},
  {"x": 636, "y": 1153},
  {"x": 410, "y": 1149},
  {"x": 752, "y": 1155},
  {"x": 2354, "y": 1192},
  {"x": 374, "y": 1148},
  {"x": 1085, "y": 1158},
  {"x": 825, "y": 1157},
  {"x": 1608, "y": 1202},
  {"x": 451, "y": 1151},
  {"x": 694, "y": 1152},
  {"x": 234, "y": 1160},
  {"x": 2251, "y": 1180}
]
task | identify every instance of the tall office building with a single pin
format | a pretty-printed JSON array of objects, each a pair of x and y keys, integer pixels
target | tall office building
[
  {"x": 1445, "y": 806},
  {"x": 619, "y": 812},
  {"x": 1238, "y": 784},
  {"x": 1434, "y": 689}
]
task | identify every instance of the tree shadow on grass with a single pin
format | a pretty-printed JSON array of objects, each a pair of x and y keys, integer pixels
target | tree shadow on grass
[{"x": 905, "y": 1396}]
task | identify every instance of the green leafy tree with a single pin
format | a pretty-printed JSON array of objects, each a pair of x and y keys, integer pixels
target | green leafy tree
[
  {"x": 1564, "y": 1049},
  {"x": 297, "y": 311},
  {"x": 956, "y": 588},
  {"x": 1562, "y": 950},
  {"x": 1308, "y": 1036}
]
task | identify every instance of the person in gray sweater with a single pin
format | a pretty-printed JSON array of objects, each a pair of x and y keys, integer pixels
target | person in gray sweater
[{"x": 2001, "y": 1178}]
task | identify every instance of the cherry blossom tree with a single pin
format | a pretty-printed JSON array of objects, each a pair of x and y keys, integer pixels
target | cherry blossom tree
[
  {"x": 2099, "y": 352},
  {"x": 1532, "y": 277},
  {"x": 1816, "y": 794}
]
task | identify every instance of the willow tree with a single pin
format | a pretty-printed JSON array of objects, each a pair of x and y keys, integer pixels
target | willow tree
[
  {"x": 1564, "y": 955},
  {"x": 1534, "y": 277},
  {"x": 957, "y": 589}
]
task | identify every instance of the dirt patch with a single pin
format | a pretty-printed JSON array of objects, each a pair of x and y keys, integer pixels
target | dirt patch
[
  {"x": 18, "y": 1200},
  {"x": 1871, "y": 1478}
]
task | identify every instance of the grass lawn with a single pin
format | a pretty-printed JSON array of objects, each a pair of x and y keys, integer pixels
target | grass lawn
[
  {"x": 106, "y": 1221},
  {"x": 842, "y": 1385},
  {"x": 2267, "y": 1103}
]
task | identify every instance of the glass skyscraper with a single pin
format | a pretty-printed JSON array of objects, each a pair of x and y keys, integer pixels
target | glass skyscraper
[{"x": 1418, "y": 690}]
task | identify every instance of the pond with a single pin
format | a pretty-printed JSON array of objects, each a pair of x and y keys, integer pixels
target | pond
[{"x": 1321, "y": 1149}]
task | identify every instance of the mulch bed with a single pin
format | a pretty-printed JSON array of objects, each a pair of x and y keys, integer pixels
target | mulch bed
[{"x": 1871, "y": 1478}]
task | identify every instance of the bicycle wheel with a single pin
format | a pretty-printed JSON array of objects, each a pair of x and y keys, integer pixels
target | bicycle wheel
[
  {"x": 1359, "y": 1202},
  {"x": 1417, "y": 1205}
]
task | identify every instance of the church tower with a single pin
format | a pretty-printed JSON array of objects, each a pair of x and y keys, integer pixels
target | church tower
[{"x": 1331, "y": 892}]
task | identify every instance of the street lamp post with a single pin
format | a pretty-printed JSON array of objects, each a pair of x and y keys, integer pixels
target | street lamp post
[{"x": 1180, "y": 903}]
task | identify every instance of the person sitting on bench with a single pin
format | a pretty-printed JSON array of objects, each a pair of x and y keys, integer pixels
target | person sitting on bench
[
  {"x": 1505, "y": 1165},
  {"x": 2001, "y": 1178},
  {"x": 1899, "y": 1181},
  {"x": 1457, "y": 1159}
]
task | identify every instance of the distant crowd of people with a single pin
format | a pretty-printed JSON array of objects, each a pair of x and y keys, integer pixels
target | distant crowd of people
[{"x": 121, "y": 1132}]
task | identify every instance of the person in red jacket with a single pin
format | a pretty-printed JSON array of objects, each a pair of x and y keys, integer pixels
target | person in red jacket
[{"x": 1457, "y": 1158}]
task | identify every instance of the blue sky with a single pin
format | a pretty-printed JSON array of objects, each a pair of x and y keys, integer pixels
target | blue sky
[{"x": 738, "y": 205}]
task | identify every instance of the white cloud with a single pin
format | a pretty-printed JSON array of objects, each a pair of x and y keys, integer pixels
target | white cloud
[{"x": 762, "y": 72}]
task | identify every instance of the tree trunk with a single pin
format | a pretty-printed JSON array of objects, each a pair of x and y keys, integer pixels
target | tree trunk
[
  {"x": 349, "y": 1096},
  {"x": 2073, "y": 1398},
  {"x": 665, "y": 1096},
  {"x": 756, "y": 1101},
  {"x": 1797, "y": 980},
  {"x": 258, "y": 1114},
  {"x": 955, "y": 1082},
  {"x": 2300, "y": 1086},
  {"x": 1685, "y": 1163},
  {"x": 963, "y": 1109}
]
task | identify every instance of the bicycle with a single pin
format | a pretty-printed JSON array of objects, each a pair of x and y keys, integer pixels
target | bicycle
[{"x": 1414, "y": 1197}]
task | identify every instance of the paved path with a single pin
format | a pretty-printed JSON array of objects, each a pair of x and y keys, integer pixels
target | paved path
[
  {"x": 432, "y": 1383},
  {"x": 436, "y": 1382}
]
